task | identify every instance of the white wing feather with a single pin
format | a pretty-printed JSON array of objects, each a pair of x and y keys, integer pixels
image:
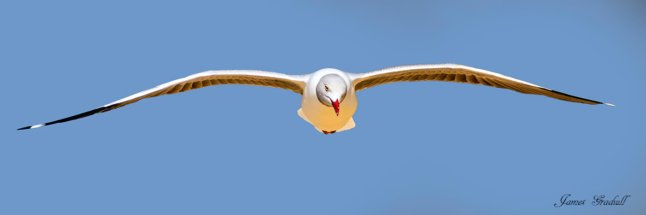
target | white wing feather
[
  {"x": 295, "y": 83},
  {"x": 461, "y": 74}
]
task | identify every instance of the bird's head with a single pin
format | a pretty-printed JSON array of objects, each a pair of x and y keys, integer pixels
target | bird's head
[{"x": 331, "y": 91}]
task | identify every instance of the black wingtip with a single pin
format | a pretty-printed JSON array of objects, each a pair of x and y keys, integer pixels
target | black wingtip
[
  {"x": 77, "y": 116},
  {"x": 24, "y": 128},
  {"x": 586, "y": 101}
]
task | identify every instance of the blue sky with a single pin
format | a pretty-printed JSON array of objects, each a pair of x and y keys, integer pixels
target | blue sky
[{"x": 418, "y": 148}]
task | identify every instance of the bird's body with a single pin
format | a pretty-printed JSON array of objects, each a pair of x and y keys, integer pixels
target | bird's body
[
  {"x": 329, "y": 95},
  {"x": 322, "y": 117}
]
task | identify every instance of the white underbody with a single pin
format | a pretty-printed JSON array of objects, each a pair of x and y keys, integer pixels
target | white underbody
[{"x": 323, "y": 117}]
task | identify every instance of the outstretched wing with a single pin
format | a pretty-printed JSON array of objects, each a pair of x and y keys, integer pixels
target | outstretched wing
[
  {"x": 199, "y": 80},
  {"x": 458, "y": 73}
]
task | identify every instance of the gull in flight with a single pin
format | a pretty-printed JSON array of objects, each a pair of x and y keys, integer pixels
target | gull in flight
[{"x": 329, "y": 95}]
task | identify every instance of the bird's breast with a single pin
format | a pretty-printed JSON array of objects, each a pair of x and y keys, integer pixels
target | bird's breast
[{"x": 324, "y": 117}]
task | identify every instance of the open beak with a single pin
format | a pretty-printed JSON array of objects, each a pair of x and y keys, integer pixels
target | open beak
[{"x": 335, "y": 105}]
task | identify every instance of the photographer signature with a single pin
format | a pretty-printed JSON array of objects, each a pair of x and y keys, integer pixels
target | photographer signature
[{"x": 597, "y": 200}]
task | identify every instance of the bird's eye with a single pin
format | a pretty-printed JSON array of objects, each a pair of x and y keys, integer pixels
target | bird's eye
[{"x": 326, "y": 88}]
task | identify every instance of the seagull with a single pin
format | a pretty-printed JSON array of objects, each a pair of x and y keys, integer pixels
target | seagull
[{"x": 329, "y": 95}]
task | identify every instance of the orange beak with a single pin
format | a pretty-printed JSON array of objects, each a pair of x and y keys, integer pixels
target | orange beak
[{"x": 335, "y": 105}]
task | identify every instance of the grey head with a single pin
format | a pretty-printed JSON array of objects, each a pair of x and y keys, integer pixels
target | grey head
[{"x": 331, "y": 91}]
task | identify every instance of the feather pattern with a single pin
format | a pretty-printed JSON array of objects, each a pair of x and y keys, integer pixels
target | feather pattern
[
  {"x": 461, "y": 74},
  {"x": 204, "y": 79}
]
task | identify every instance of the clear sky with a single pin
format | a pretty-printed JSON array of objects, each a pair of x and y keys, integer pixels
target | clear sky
[{"x": 418, "y": 148}]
